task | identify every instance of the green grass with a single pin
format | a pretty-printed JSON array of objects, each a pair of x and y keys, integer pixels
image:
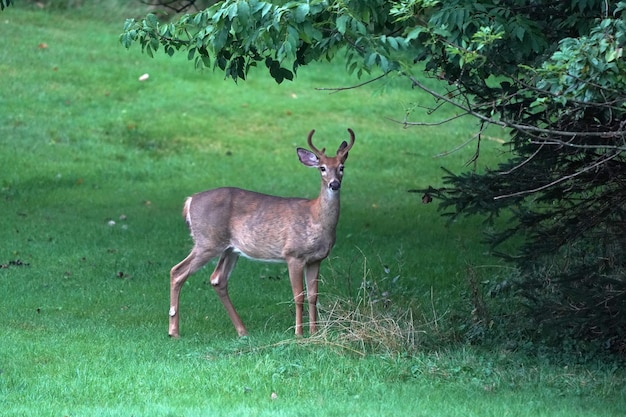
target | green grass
[{"x": 83, "y": 142}]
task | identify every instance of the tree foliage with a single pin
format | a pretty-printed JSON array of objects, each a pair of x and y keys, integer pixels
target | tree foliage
[
  {"x": 552, "y": 73},
  {"x": 5, "y": 3}
]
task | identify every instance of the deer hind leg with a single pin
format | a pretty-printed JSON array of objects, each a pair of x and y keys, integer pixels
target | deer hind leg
[
  {"x": 178, "y": 275},
  {"x": 312, "y": 274},
  {"x": 296, "y": 271},
  {"x": 219, "y": 281}
]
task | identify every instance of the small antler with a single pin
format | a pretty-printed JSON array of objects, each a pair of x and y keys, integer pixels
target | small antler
[
  {"x": 309, "y": 140},
  {"x": 345, "y": 147},
  {"x": 351, "y": 141}
]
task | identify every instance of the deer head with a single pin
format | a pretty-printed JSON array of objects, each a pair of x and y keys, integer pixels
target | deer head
[{"x": 331, "y": 168}]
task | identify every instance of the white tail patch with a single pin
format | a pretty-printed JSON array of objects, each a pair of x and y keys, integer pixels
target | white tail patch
[{"x": 186, "y": 214}]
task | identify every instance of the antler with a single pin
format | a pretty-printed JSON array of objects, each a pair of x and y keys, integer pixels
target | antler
[
  {"x": 351, "y": 141},
  {"x": 345, "y": 147},
  {"x": 313, "y": 148}
]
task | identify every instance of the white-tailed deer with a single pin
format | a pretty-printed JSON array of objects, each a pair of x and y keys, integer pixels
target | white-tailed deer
[{"x": 228, "y": 222}]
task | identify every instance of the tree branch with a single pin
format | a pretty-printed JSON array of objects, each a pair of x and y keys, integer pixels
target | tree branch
[
  {"x": 407, "y": 124},
  {"x": 503, "y": 123},
  {"x": 334, "y": 90},
  {"x": 564, "y": 178},
  {"x": 522, "y": 163}
]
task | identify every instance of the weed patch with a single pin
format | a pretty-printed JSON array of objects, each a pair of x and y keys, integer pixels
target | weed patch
[{"x": 367, "y": 327}]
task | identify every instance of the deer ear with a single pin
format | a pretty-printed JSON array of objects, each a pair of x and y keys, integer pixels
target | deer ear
[
  {"x": 308, "y": 158},
  {"x": 343, "y": 146}
]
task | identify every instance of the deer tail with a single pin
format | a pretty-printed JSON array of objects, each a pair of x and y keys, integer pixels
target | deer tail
[{"x": 186, "y": 215}]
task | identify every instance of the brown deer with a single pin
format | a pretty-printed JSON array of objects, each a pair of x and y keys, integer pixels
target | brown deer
[{"x": 228, "y": 222}]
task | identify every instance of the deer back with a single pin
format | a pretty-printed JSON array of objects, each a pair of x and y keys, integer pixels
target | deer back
[{"x": 261, "y": 226}]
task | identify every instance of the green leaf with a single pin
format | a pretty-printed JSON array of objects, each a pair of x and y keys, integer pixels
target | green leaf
[
  {"x": 129, "y": 23},
  {"x": 232, "y": 10},
  {"x": 310, "y": 33},
  {"x": 383, "y": 62},
  {"x": 370, "y": 61},
  {"x": 393, "y": 42},
  {"x": 301, "y": 12},
  {"x": 341, "y": 23},
  {"x": 414, "y": 33},
  {"x": 243, "y": 12},
  {"x": 358, "y": 27},
  {"x": 151, "y": 20},
  {"x": 614, "y": 54},
  {"x": 154, "y": 44},
  {"x": 287, "y": 75},
  {"x": 266, "y": 9},
  {"x": 148, "y": 51}
]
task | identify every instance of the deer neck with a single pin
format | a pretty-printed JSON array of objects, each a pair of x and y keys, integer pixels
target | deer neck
[{"x": 326, "y": 207}]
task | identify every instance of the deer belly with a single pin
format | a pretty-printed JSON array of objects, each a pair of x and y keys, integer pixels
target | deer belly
[
  {"x": 280, "y": 254},
  {"x": 258, "y": 255}
]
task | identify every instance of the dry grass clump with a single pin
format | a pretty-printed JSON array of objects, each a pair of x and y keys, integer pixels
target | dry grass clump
[
  {"x": 379, "y": 318},
  {"x": 365, "y": 326}
]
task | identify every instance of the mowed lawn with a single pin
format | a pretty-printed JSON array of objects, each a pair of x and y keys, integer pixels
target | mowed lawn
[{"x": 95, "y": 165}]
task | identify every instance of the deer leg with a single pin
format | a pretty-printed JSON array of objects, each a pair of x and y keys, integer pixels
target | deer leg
[
  {"x": 178, "y": 275},
  {"x": 296, "y": 271},
  {"x": 312, "y": 274},
  {"x": 219, "y": 280}
]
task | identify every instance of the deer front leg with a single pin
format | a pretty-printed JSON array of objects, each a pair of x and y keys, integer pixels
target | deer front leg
[
  {"x": 219, "y": 281},
  {"x": 296, "y": 271},
  {"x": 312, "y": 275}
]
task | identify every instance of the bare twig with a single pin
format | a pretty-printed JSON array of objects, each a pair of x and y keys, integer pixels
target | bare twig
[
  {"x": 557, "y": 181},
  {"x": 334, "y": 90},
  {"x": 557, "y": 142},
  {"x": 459, "y": 147},
  {"x": 522, "y": 163},
  {"x": 407, "y": 124}
]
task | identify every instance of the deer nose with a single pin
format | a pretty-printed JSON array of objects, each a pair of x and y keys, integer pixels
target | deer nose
[{"x": 334, "y": 185}]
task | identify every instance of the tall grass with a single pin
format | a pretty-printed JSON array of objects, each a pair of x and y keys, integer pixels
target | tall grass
[{"x": 95, "y": 166}]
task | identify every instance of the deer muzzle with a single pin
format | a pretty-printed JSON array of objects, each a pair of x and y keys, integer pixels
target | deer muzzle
[{"x": 334, "y": 185}]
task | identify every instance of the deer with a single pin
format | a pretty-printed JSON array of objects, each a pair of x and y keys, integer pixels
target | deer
[{"x": 230, "y": 222}]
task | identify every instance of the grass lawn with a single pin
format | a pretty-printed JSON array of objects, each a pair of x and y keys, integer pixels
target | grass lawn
[{"x": 95, "y": 167}]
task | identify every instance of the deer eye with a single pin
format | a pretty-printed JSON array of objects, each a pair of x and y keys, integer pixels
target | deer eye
[{"x": 322, "y": 169}]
